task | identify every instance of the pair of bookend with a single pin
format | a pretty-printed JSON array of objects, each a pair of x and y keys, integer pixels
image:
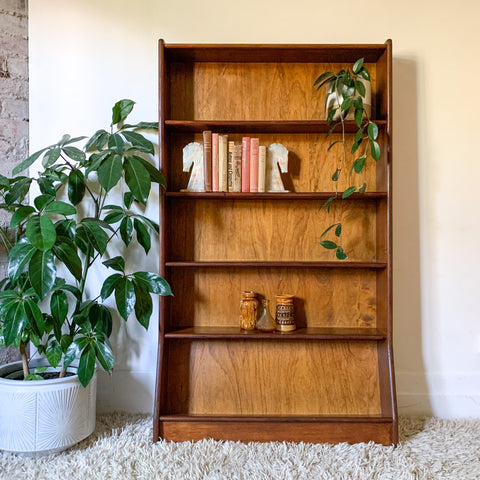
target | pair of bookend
[{"x": 276, "y": 163}]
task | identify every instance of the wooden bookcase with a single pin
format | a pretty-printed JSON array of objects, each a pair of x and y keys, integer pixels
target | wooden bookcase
[{"x": 332, "y": 379}]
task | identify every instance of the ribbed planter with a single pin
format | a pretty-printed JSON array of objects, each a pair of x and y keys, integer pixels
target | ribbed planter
[{"x": 44, "y": 416}]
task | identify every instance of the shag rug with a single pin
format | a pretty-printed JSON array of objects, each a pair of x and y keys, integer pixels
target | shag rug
[{"x": 121, "y": 449}]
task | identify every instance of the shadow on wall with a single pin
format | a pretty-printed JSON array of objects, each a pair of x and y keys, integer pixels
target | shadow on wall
[{"x": 412, "y": 387}]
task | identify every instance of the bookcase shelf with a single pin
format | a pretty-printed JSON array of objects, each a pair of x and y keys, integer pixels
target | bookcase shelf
[
  {"x": 235, "y": 333},
  {"x": 332, "y": 379},
  {"x": 258, "y": 126}
]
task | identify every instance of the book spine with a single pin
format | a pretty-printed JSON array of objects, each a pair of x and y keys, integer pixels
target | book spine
[
  {"x": 222, "y": 163},
  {"x": 237, "y": 168},
  {"x": 262, "y": 159},
  {"x": 215, "y": 160},
  {"x": 245, "y": 164},
  {"x": 231, "y": 146},
  {"x": 207, "y": 159},
  {"x": 254, "y": 164}
]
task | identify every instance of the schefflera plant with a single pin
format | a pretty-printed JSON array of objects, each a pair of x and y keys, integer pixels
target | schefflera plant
[
  {"x": 56, "y": 314},
  {"x": 348, "y": 91}
]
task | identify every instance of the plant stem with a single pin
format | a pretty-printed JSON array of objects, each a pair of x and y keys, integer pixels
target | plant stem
[{"x": 23, "y": 353}]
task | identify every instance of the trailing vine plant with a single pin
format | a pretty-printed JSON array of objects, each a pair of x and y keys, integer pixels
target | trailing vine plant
[{"x": 347, "y": 89}]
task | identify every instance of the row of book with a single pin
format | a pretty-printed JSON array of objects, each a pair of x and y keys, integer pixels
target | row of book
[{"x": 233, "y": 167}]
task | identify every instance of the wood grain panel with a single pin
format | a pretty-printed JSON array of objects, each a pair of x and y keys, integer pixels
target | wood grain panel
[
  {"x": 273, "y": 378},
  {"x": 249, "y": 91},
  {"x": 310, "y": 164},
  {"x": 268, "y": 230},
  {"x": 324, "y": 297},
  {"x": 351, "y": 432}
]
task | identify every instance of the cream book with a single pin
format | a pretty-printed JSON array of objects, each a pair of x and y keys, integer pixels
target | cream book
[
  {"x": 262, "y": 158},
  {"x": 222, "y": 163}
]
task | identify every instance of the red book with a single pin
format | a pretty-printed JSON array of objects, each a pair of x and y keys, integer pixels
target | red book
[
  {"x": 214, "y": 162},
  {"x": 207, "y": 159},
  {"x": 245, "y": 164},
  {"x": 254, "y": 144}
]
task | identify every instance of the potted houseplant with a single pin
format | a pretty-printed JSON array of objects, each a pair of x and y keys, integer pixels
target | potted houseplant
[
  {"x": 348, "y": 97},
  {"x": 53, "y": 242}
]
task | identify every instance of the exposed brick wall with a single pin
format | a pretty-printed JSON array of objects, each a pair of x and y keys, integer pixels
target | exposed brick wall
[{"x": 13, "y": 103}]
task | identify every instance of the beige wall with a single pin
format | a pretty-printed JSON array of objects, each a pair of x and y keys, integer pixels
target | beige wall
[{"x": 86, "y": 54}]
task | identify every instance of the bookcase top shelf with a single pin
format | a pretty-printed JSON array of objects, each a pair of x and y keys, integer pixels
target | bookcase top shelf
[
  {"x": 273, "y": 53},
  {"x": 260, "y": 126},
  {"x": 280, "y": 264}
]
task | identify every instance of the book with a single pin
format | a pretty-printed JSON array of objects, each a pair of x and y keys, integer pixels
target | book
[
  {"x": 262, "y": 158},
  {"x": 245, "y": 164},
  {"x": 254, "y": 164},
  {"x": 207, "y": 159},
  {"x": 214, "y": 162},
  {"x": 222, "y": 163},
  {"x": 237, "y": 168},
  {"x": 231, "y": 146}
]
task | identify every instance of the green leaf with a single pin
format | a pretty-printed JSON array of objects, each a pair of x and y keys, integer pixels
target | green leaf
[
  {"x": 92, "y": 142},
  {"x": 152, "y": 282},
  {"x": 61, "y": 208},
  {"x": 330, "y": 116},
  {"x": 137, "y": 179},
  {"x": 104, "y": 355},
  {"x": 110, "y": 171},
  {"x": 46, "y": 186},
  {"x": 346, "y": 104},
  {"x": 66, "y": 252},
  {"x": 332, "y": 144},
  {"x": 15, "y": 321},
  {"x": 51, "y": 157},
  {"x": 138, "y": 140},
  {"x": 29, "y": 161},
  {"x": 341, "y": 255},
  {"x": 358, "y": 117},
  {"x": 116, "y": 143},
  {"x": 74, "y": 153},
  {"x": 117, "y": 263},
  {"x": 41, "y": 232},
  {"x": 76, "y": 186},
  {"x": 356, "y": 145},
  {"x": 109, "y": 285},
  {"x": 121, "y": 110},
  {"x": 375, "y": 150},
  {"x": 359, "y": 164},
  {"x": 114, "y": 217},
  {"x": 65, "y": 342},
  {"x": 104, "y": 321},
  {"x": 124, "y": 297},
  {"x": 357, "y": 66},
  {"x": 322, "y": 78},
  {"x": 128, "y": 199},
  {"x": 20, "y": 215},
  {"x": 90, "y": 230},
  {"x": 86, "y": 365},
  {"x": 143, "y": 306},
  {"x": 338, "y": 230},
  {"x": 362, "y": 188},
  {"x": 328, "y": 229},
  {"x": 59, "y": 306},
  {"x": 142, "y": 126},
  {"x": 71, "y": 354},
  {"x": 364, "y": 73},
  {"x": 53, "y": 353},
  {"x": 348, "y": 192},
  {"x": 335, "y": 175},
  {"x": 42, "y": 272},
  {"x": 19, "y": 257},
  {"x": 328, "y": 202},
  {"x": 143, "y": 236},
  {"x": 126, "y": 230},
  {"x": 74, "y": 140},
  {"x": 41, "y": 201},
  {"x": 155, "y": 174},
  {"x": 328, "y": 244},
  {"x": 18, "y": 191},
  {"x": 33, "y": 376},
  {"x": 372, "y": 131}
]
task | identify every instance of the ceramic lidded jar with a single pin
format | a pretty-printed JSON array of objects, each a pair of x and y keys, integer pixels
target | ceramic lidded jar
[
  {"x": 285, "y": 313},
  {"x": 248, "y": 310}
]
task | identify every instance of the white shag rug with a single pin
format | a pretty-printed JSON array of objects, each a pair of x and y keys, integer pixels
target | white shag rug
[{"x": 121, "y": 449}]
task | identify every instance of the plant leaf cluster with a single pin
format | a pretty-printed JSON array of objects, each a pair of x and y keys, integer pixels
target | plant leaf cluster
[
  {"x": 54, "y": 313},
  {"x": 348, "y": 91}
]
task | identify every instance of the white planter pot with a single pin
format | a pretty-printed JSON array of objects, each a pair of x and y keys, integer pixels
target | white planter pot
[
  {"x": 44, "y": 416},
  {"x": 332, "y": 101}
]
